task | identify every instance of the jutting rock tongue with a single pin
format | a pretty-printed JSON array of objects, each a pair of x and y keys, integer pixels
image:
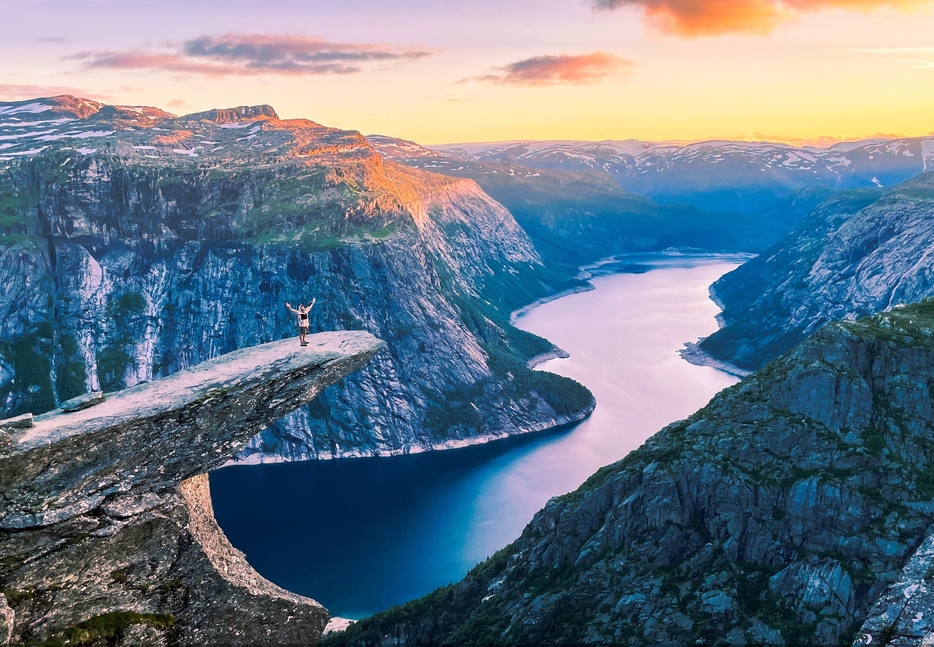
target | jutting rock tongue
[{"x": 107, "y": 524}]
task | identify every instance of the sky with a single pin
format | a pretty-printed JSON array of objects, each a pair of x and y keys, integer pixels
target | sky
[{"x": 444, "y": 71}]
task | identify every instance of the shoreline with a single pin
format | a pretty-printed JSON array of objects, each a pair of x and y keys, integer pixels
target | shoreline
[
  {"x": 460, "y": 443},
  {"x": 515, "y": 314},
  {"x": 712, "y": 292},
  {"x": 692, "y": 353},
  {"x": 557, "y": 353}
]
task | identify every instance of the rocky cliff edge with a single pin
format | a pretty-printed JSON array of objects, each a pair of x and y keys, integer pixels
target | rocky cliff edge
[{"x": 106, "y": 525}]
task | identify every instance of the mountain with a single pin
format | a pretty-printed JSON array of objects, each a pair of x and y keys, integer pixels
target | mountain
[
  {"x": 580, "y": 216},
  {"x": 744, "y": 177},
  {"x": 135, "y": 247},
  {"x": 859, "y": 252},
  {"x": 568, "y": 155},
  {"x": 779, "y": 514}
]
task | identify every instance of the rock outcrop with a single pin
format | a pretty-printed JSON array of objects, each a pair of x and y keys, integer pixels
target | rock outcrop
[
  {"x": 106, "y": 526},
  {"x": 904, "y": 615},
  {"x": 168, "y": 241},
  {"x": 778, "y": 514},
  {"x": 858, "y": 253}
]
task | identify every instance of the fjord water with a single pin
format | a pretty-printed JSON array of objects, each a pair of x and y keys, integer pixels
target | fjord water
[{"x": 360, "y": 535}]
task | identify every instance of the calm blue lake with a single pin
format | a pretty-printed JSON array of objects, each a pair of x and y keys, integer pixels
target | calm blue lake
[{"x": 360, "y": 535}]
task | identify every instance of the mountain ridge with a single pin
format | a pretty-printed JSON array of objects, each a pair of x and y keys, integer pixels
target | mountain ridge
[{"x": 717, "y": 175}]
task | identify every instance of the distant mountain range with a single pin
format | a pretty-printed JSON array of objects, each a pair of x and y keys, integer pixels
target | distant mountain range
[
  {"x": 577, "y": 216},
  {"x": 746, "y": 177}
]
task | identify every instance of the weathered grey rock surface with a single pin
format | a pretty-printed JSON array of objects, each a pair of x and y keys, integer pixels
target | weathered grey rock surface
[
  {"x": 152, "y": 250},
  {"x": 857, "y": 253},
  {"x": 904, "y": 615},
  {"x": 106, "y": 518},
  {"x": 778, "y": 514}
]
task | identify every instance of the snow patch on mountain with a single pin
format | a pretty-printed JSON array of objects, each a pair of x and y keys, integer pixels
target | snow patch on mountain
[
  {"x": 927, "y": 153},
  {"x": 33, "y": 108}
]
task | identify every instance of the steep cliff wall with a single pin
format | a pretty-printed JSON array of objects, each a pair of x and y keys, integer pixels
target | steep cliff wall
[
  {"x": 858, "y": 253},
  {"x": 106, "y": 527},
  {"x": 778, "y": 514},
  {"x": 151, "y": 254}
]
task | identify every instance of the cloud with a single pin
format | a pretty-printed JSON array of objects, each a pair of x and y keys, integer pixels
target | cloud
[
  {"x": 907, "y": 56},
  {"x": 692, "y": 18},
  {"x": 583, "y": 69},
  {"x": 896, "y": 50},
  {"x": 12, "y": 92},
  {"x": 253, "y": 54},
  {"x": 176, "y": 103}
]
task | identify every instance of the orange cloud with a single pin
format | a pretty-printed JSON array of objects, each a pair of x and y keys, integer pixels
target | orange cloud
[
  {"x": 584, "y": 69},
  {"x": 252, "y": 54},
  {"x": 691, "y": 18}
]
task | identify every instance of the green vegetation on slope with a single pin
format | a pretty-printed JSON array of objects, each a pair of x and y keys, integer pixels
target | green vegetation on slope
[{"x": 105, "y": 629}]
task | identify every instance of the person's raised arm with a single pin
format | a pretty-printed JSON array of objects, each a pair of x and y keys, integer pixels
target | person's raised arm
[
  {"x": 291, "y": 309},
  {"x": 312, "y": 304}
]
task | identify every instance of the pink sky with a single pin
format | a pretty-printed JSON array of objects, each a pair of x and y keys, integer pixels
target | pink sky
[{"x": 443, "y": 70}]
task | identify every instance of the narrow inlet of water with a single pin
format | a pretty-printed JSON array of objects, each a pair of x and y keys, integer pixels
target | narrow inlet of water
[{"x": 360, "y": 535}]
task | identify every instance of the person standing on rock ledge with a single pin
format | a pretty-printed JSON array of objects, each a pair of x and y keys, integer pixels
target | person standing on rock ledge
[{"x": 302, "y": 313}]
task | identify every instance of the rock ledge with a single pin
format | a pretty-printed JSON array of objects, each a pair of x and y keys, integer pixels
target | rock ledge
[{"x": 107, "y": 513}]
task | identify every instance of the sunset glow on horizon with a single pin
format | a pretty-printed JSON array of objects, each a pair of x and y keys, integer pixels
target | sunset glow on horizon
[{"x": 799, "y": 71}]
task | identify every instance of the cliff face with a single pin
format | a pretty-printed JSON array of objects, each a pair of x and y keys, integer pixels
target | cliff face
[
  {"x": 106, "y": 527},
  {"x": 179, "y": 239},
  {"x": 857, "y": 253},
  {"x": 778, "y": 514}
]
